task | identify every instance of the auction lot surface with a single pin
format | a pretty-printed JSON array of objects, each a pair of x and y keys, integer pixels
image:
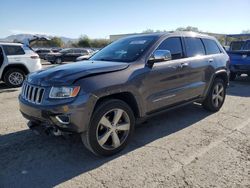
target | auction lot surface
[{"x": 187, "y": 147}]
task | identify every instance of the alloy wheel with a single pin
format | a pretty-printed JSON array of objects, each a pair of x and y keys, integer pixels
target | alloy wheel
[
  {"x": 218, "y": 94},
  {"x": 113, "y": 129},
  {"x": 16, "y": 78}
]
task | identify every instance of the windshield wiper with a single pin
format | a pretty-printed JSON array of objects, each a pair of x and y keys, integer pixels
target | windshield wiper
[{"x": 105, "y": 59}]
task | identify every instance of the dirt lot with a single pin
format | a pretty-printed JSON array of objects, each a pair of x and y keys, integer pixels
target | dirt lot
[{"x": 187, "y": 147}]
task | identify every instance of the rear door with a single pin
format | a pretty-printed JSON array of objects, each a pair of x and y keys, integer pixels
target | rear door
[
  {"x": 14, "y": 53},
  {"x": 215, "y": 58},
  {"x": 198, "y": 66}
]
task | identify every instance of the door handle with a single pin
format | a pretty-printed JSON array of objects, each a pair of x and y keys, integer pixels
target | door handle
[
  {"x": 210, "y": 60},
  {"x": 183, "y": 65}
]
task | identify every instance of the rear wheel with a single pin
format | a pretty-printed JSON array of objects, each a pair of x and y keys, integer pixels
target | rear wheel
[
  {"x": 14, "y": 77},
  {"x": 110, "y": 129},
  {"x": 58, "y": 60},
  {"x": 216, "y": 96}
]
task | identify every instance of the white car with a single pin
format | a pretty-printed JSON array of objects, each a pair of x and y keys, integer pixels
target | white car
[
  {"x": 86, "y": 57},
  {"x": 16, "y": 61}
]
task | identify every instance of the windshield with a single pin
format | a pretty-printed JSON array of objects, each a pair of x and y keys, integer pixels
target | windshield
[{"x": 125, "y": 50}]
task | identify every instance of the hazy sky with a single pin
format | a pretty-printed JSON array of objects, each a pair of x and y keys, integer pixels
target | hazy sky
[{"x": 72, "y": 18}]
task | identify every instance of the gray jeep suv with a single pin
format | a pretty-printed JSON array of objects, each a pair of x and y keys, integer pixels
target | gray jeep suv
[{"x": 130, "y": 80}]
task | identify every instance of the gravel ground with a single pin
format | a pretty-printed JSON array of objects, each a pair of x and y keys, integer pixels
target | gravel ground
[{"x": 187, "y": 147}]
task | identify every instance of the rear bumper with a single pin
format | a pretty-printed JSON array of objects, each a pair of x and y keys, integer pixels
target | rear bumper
[{"x": 73, "y": 117}]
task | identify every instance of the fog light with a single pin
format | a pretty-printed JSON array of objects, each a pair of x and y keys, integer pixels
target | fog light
[{"x": 63, "y": 119}]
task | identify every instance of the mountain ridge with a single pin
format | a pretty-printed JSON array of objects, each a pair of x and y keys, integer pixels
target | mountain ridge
[{"x": 21, "y": 37}]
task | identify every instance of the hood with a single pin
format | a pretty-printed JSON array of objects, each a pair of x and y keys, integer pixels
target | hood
[{"x": 68, "y": 73}]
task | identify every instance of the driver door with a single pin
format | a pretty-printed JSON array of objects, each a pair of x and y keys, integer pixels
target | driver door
[{"x": 166, "y": 83}]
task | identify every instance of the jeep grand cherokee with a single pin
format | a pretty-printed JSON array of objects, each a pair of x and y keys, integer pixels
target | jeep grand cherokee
[{"x": 131, "y": 79}]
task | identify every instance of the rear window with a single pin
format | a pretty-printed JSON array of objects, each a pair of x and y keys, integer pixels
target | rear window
[
  {"x": 13, "y": 50},
  {"x": 211, "y": 47},
  {"x": 194, "y": 47},
  {"x": 247, "y": 46},
  {"x": 45, "y": 51},
  {"x": 236, "y": 45}
]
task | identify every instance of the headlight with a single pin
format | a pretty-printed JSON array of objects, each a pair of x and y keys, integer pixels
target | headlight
[{"x": 64, "y": 92}]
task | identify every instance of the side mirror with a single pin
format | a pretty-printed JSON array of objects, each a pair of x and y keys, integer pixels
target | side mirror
[{"x": 159, "y": 56}]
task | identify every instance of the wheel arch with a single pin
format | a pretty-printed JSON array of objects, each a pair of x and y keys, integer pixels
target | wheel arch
[
  {"x": 15, "y": 66},
  {"x": 127, "y": 97},
  {"x": 222, "y": 74}
]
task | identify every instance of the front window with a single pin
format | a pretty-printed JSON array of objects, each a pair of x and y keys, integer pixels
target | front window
[{"x": 125, "y": 50}]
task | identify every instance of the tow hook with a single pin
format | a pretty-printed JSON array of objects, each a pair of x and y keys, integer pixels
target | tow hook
[
  {"x": 40, "y": 129},
  {"x": 53, "y": 131}
]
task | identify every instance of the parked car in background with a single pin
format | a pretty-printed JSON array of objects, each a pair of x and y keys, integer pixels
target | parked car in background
[
  {"x": 56, "y": 49},
  {"x": 83, "y": 57},
  {"x": 86, "y": 57},
  {"x": 239, "y": 54},
  {"x": 69, "y": 54},
  {"x": 16, "y": 61},
  {"x": 129, "y": 80},
  {"x": 43, "y": 52}
]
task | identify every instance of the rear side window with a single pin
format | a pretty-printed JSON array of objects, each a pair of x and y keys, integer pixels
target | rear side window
[
  {"x": 211, "y": 47},
  {"x": 194, "y": 47},
  {"x": 13, "y": 50},
  {"x": 247, "y": 46},
  {"x": 174, "y": 46}
]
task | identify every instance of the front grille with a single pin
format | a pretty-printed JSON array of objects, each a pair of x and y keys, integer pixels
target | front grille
[{"x": 32, "y": 93}]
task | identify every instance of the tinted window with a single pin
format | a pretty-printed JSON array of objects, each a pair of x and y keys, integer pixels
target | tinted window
[
  {"x": 66, "y": 51},
  {"x": 247, "y": 46},
  {"x": 77, "y": 51},
  {"x": 236, "y": 45},
  {"x": 174, "y": 46},
  {"x": 194, "y": 47},
  {"x": 211, "y": 46},
  {"x": 13, "y": 50},
  {"x": 84, "y": 52}
]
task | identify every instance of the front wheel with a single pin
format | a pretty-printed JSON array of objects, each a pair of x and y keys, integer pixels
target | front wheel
[
  {"x": 216, "y": 96},
  {"x": 111, "y": 127},
  {"x": 14, "y": 77}
]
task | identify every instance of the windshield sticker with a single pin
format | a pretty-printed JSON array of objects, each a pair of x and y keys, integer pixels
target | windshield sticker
[{"x": 138, "y": 42}]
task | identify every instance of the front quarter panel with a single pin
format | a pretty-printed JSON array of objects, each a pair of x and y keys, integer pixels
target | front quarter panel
[{"x": 128, "y": 80}]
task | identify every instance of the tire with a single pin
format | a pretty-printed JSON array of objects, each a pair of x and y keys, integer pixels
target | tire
[
  {"x": 58, "y": 60},
  {"x": 14, "y": 77},
  {"x": 216, "y": 96},
  {"x": 232, "y": 76},
  {"x": 101, "y": 139}
]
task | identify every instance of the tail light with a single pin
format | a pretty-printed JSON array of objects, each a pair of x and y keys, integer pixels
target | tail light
[{"x": 34, "y": 57}]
